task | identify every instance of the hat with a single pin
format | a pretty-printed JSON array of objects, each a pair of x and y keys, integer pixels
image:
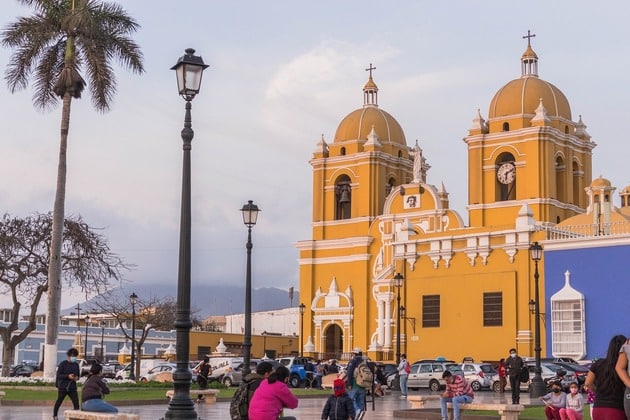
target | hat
[
  {"x": 357, "y": 350},
  {"x": 339, "y": 387}
]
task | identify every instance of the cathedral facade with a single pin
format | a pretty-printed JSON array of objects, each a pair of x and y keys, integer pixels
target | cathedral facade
[{"x": 390, "y": 268}]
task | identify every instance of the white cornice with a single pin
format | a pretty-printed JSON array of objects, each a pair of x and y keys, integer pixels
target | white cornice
[
  {"x": 334, "y": 260},
  {"x": 334, "y": 243}
]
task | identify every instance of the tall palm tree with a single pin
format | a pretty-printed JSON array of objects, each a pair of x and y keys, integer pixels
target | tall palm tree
[{"x": 53, "y": 46}]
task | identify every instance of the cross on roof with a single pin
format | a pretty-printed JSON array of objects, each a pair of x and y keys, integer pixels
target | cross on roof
[
  {"x": 370, "y": 69},
  {"x": 529, "y": 37}
]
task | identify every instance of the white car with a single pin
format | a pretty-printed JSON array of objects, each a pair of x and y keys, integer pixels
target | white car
[
  {"x": 479, "y": 375},
  {"x": 156, "y": 370}
]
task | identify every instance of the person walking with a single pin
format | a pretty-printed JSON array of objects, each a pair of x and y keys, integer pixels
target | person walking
[
  {"x": 575, "y": 404},
  {"x": 514, "y": 365},
  {"x": 94, "y": 389},
  {"x": 502, "y": 376},
  {"x": 203, "y": 371},
  {"x": 66, "y": 381},
  {"x": 609, "y": 389},
  {"x": 357, "y": 393},
  {"x": 554, "y": 401},
  {"x": 623, "y": 370},
  {"x": 272, "y": 396},
  {"x": 458, "y": 391},
  {"x": 339, "y": 406},
  {"x": 320, "y": 372},
  {"x": 403, "y": 374}
]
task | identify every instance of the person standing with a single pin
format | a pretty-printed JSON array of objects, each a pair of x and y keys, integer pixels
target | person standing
[
  {"x": 94, "y": 389},
  {"x": 458, "y": 391},
  {"x": 514, "y": 365},
  {"x": 575, "y": 404},
  {"x": 609, "y": 389},
  {"x": 357, "y": 393},
  {"x": 403, "y": 375},
  {"x": 272, "y": 396},
  {"x": 339, "y": 406},
  {"x": 554, "y": 401},
  {"x": 203, "y": 371},
  {"x": 320, "y": 371},
  {"x": 67, "y": 375},
  {"x": 502, "y": 375},
  {"x": 623, "y": 370}
]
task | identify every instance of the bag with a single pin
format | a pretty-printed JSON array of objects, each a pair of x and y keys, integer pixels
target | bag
[
  {"x": 407, "y": 367},
  {"x": 239, "y": 405},
  {"x": 524, "y": 375},
  {"x": 363, "y": 376}
]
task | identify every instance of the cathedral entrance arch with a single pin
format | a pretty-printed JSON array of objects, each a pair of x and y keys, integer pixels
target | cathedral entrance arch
[{"x": 334, "y": 342}]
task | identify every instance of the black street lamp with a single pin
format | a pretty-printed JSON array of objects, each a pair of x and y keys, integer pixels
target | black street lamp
[
  {"x": 250, "y": 216},
  {"x": 302, "y": 309},
  {"x": 87, "y": 321},
  {"x": 537, "y": 387},
  {"x": 103, "y": 324},
  {"x": 264, "y": 334},
  {"x": 189, "y": 69},
  {"x": 133, "y": 299},
  {"x": 398, "y": 282}
]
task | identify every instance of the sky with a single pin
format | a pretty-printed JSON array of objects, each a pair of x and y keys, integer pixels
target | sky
[{"x": 281, "y": 75}]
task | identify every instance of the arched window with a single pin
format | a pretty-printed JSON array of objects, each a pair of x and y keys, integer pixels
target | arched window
[
  {"x": 561, "y": 189},
  {"x": 506, "y": 126},
  {"x": 576, "y": 184},
  {"x": 343, "y": 151},
  {"x": 343, "y": 198},
  {"x": 389, "y": 186},
  {"x": 505, "y": 177}
]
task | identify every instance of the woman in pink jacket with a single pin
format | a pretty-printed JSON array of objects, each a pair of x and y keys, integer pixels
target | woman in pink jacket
[{"x": 272, "y": 396}]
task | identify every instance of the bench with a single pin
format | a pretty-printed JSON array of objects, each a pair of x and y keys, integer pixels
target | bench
[
  {"x": 92, "y": 415},
  {"x": 506, "y": 411},
  {"x": 210, "y": 394}
]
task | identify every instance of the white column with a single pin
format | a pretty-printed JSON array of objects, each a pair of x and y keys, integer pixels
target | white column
[
  {"x": 388, "y": 325},
  {"x": 380, "y": 322}
]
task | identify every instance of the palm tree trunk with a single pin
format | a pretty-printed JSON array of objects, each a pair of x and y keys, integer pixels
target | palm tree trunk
[{"x": 54, "y": 269}]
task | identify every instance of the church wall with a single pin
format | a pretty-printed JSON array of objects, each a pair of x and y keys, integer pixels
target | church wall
[{"x": 600, "y": 273}]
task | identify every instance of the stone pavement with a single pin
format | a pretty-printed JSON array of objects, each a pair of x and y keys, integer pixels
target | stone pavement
[{"x": 309, "y": 408}]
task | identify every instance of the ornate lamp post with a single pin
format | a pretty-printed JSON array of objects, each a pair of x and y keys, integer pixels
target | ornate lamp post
[
  {"x": 87, "y": 321},
  {"x": 103, "y": 359},
  {"x": 537, "y": 388},
  {"x": 302, "y": 309},
  {"x": 398, "y": 282},
  {"x": 264, "y": 334},
  {"x": 133, "y": 299},
  {"x": 189, "y": 69},
  {"x": 250, "y": 216}
]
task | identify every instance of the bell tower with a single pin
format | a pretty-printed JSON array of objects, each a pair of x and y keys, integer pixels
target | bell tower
[{"x": 528, "y": 151}]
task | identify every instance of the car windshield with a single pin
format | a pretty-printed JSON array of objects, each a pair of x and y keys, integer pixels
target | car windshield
[
  {"x": 455, "y": 368},
  {"x": 487, "y": 369}
]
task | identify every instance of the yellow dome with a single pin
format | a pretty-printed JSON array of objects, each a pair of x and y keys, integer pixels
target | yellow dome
[
  {"x": 358, "y": 124},
  {"x": 600, "y": 182},
  {"x": 522, "y": 96},
  {"x": 625, "y": 190}
]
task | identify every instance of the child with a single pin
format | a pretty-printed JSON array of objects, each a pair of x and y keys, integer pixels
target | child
[
  {"x": 554, "y": 401},
  {"x": 339, "y": 406},
  {"x": 575, "y": 404}
]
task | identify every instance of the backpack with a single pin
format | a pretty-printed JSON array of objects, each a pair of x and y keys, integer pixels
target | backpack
[
  {"x": 407, "y": 367},
  {"x": 239, "y": 405},
  {"x": 363, "y": 376},
  {"x": 524, "y": 375}
]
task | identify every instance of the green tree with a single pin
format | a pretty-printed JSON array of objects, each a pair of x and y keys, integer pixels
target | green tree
[
  {"x": 86, "y": 264},
  {"x": 61, "y": 39}
]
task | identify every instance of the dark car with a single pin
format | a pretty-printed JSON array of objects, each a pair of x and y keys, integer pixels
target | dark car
[
  {"x": 22, "y": 370},
  {"x": 579, "y": 370}
]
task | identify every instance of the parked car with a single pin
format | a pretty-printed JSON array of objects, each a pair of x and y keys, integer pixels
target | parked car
[
  {"x": 156, "y": 370},
  {"x": 579, "y": 371},
  {"x": 110, "y": 368},
  {"x": 479, "y": 375},
  {"x": 23, "y": 369},
  {"x": 429, "y": 375},
  {"x": 566, "y": 376},
  {"x": 297, "y": 373},
  {"x": 235, "y": 376}
]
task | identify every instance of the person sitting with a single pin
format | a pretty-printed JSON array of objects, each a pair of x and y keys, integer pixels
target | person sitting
[
  {"x": 94, "y": 389},
  {"x": 380, "y": 382},
  {"x": 575, "y": 404},
  {"x": 458, "y": 391},
  {"x": 554, "y": 401}
]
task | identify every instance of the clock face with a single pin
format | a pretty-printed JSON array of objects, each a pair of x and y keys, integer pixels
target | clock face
[{"x": 506, "y": 174}]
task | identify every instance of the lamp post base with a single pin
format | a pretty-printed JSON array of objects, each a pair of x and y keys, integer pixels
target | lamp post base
[{"x": 537, "y": 388}]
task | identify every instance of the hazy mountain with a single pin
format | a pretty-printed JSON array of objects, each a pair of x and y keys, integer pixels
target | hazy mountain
[{"x": 217, "y": 300}]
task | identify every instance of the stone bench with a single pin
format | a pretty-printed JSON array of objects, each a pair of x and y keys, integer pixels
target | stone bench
[
  {"x": 506, "y": 411},
  {"x": 210, "y": 394},
  {"x": 92, "y": 415}
]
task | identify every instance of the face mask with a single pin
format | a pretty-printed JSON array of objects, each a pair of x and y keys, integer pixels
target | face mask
[
  {"x": 73, "y": 359},
  {"x": 573, "y": 391},
  {"x": 556, "y": 390},
  {"x": 512, "y": 354}
]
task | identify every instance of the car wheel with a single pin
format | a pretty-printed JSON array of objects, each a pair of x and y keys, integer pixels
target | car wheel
[
  {"x": 434, "y": 385},
  {"x": 227, "y": 382},
  {"x": 496, "y": 386},
  {"x": 144, "y": 379},
  {"x": 294, "y": 381},
  {"x": 475, "y": 385}
]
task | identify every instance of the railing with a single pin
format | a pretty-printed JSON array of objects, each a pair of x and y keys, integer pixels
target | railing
[{"x": 556, "y": 233}]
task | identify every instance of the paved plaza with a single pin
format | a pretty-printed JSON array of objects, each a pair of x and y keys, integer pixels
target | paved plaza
[{"x": 309, "y": 408}]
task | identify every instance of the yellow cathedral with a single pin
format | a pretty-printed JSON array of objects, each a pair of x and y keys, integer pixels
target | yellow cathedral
[{"x": 465, "y": 289}]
